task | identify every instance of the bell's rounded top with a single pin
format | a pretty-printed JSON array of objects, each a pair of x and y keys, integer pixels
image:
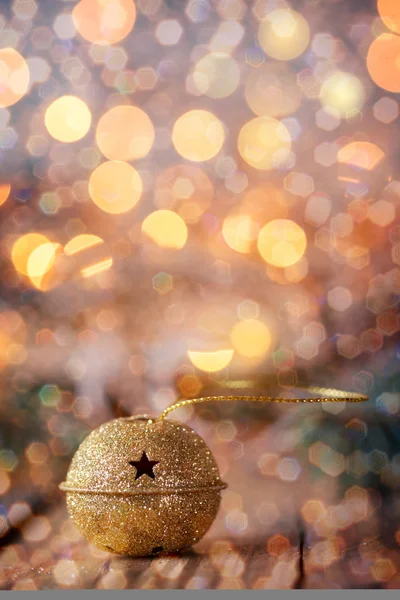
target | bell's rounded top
[{"x": 142, "y": 455}]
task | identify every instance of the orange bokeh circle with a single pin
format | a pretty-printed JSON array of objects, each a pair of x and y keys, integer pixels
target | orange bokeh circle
[
  {"x": 102, "y": 22},
  {"x": 389, "y": 11},
  {"x": 383, "y": 62}
]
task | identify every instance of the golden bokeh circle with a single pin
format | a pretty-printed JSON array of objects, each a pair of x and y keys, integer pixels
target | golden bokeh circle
[
  {"x": 211, "y": 361},
  {"x": 41, "y": 259},
  {"x": 40, "y": 264},
  {"x": 272, "y": 90},
  {"x": 281, "y": 243},
  {"x": 125, "y": 133},
  {"x": 68, "y": 119},
  {"x": 198, "y": 135},
  {"x": 383, "y": 62},
  {"x": 264, "y": 143},
  {"x": 260, "y": 204},
  {"x": 343, "y": 92},
  {"x": 166, "y": 228},
  {"x": 81, "y": 242},
  {"x": 115, "y": 187},
  {"x": 284, "y": 34},
  {"x": 251, "y": 338},
  {"x": 23, "y": 248},
  {"x": 216, "y": 75},
  {"x": 104, "y": 22},
  {"x": 14, "y": 77},
  {"x": 240, "y": 232}
]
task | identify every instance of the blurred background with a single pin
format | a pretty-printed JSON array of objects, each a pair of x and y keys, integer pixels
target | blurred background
[{"x": 193, "y": 192}]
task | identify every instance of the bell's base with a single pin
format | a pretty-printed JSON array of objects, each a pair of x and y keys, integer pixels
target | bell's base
[{"x": 144, "y": 525}]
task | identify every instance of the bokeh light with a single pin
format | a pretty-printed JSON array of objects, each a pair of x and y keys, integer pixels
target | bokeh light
[
  {"x": 186, "y": 189},
  {"x": 264, "y": 143},
  {"x": 115, "y": 187},
  {"x": 125, "y": 133},
  {"x": 211, "y": 361},
  {"x": 40, "y": 262},
  {"x": 343, "y": 92},
  {"x": 284, "y": 34},
  {"x": 23, "y": 248},
  {"x": 68, "y": 119},
  {"x": 13, "y": 333},
  {"x": 14, "y": 77},
  {"x": 361, "y": 154},
  {"x": 282, "y": 243},
  {"x": 251, "y": 338},
  {"x": 243, "y": 223},
  {"x": 83, "y": 242},
  {"x": 5, "y": 189},
  {"x": 240, "y": 232},
  {"x": 216, "y": 75},
  {"x": 198, "y": 135},
  {"x": 227, "y": 214},
  {"x": 165, "y": 228},
  {"x": 103, "y": 22},
  {"x": 383, "y": 61},
  {"x": 389, "y": 11},
  {"x": 169, "y": 32},
  {"x": 272, "y": 90}
]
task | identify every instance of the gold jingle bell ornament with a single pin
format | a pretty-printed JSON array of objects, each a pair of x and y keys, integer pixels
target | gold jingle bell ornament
[{"x": 143, "y": 486}]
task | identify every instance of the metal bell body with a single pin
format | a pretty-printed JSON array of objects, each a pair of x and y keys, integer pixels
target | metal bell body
[{"x": 143, "y": 486}]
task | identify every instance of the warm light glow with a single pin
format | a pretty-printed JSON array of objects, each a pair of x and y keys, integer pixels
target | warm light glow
[
  {"x": 240, "y": 232},
  {"x": 281, "y": 243},
  {"x": 5, "y": 189},
  {"x": 41, "y": 259},
  {"x": 211, "y": 361},
  {"x": 125, "y": 133},
  {"x": 343, "y": 92},
  {"x": 216, "y": 75},
  {"x": 104, "y": 21},
  {"x": 198, "y": 135},
  {"x": 284, "y": 34},
  {"x": 383, "y": 61},
  {"x": 40, "y": 262},
  {"x": 251, "y": 338},
  {"x": 23, "y": 248},
  {"x": 14, "y": 77},
  {"x": 68, "y": 119},
  {"x": 115, "y": 187},
  {"x": 362, "y": 155},
  {"x": 13, "y": 332},
  {"x": 97, "y": 268},
  {"x": 185, "y": 189},
  {"x": 271, "y": 90},
  {"x": 166, "y": 228},
  {"x": 264, "y": 143},
  {"x": 389, "y": 11},
  {"x": 83, "y": 242}
]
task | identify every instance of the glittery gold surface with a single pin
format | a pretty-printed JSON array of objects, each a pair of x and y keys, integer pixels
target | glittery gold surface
[{"x": 143, "y": 516}]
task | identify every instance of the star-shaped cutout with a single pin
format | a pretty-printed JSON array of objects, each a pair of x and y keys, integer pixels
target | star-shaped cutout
[{"x": 144, "y": 466}]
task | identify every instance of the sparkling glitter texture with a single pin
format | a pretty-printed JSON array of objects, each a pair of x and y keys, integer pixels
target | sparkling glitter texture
[{"x": 143, "y": 516}]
